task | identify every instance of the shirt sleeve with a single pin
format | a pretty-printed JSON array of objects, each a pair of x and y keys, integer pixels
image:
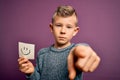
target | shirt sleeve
[{"x": 36, "y": 74}]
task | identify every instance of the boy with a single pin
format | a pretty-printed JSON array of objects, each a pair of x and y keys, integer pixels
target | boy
[{"x": 63, "y": 60}]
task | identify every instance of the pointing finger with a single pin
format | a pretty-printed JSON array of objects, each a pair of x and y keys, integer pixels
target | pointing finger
[{"x": 71, "y": 67}]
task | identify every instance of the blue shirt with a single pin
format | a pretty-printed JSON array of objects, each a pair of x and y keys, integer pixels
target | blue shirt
[{"x": 51, "y": 64}]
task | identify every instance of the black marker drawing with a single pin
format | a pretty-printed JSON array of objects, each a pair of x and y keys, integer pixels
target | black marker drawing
[{"x": 25, "y": 51}]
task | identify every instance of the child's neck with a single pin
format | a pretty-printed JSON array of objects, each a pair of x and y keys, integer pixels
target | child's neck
[{"x": 61, "y": 46}]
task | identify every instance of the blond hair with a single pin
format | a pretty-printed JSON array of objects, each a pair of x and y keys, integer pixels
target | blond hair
[{"x": 65, "y": 11}]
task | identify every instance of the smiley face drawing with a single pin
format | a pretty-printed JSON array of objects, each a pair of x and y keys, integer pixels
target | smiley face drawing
[{"x": 25, "y": 51}]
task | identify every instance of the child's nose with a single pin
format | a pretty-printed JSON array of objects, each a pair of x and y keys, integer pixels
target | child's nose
[{"x": 63, "y": 30}]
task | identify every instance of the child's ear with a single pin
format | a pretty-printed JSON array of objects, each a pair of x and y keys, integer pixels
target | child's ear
[
  {"x": 51, "y": 27},
  {"x": 76, "y": 31}
]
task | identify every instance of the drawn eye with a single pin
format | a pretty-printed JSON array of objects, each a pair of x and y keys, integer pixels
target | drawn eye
[{"x": 25, "y": 51}]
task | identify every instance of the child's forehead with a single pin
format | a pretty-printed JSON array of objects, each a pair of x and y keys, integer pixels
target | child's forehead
[{"x": 62, "y": 19}]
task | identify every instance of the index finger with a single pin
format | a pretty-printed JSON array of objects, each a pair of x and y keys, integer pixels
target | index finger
[
  {"x": 71, "y": 67},
  {"x": 22, "y": 60}
]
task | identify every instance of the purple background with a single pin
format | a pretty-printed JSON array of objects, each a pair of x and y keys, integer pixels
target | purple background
[{"x": 28, "y": 21}]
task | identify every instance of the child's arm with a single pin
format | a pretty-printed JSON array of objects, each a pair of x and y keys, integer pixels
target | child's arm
[
  {"x": 84, "y": 58},
  {"x": 25, "y": 65}
]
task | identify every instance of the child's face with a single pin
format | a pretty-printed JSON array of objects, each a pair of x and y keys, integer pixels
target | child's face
[{"x": 63, "y": 29}]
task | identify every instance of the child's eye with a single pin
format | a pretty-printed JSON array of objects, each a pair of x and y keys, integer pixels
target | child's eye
[
  {"x": 69, "y": 27},
  {"x": 58, "y": 25}
]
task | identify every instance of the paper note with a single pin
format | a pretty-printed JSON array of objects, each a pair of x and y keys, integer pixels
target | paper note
[{"x": 26, "y": 50}]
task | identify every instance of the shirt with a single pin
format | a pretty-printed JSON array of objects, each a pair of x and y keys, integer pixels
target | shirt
[{"x": 51, "y": 64}]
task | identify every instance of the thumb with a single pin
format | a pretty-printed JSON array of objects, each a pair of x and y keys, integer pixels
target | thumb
[
  {"x": 80, "y": 51},
  {"x": 71, "y": 67}
]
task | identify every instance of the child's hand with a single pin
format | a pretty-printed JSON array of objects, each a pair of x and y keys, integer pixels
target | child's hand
[
  {"x": 82, "y": 58},
  {"x": 25, "y": 65}
]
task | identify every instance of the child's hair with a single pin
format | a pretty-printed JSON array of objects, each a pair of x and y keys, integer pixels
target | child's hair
[{"x": 65, "y": 11}]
